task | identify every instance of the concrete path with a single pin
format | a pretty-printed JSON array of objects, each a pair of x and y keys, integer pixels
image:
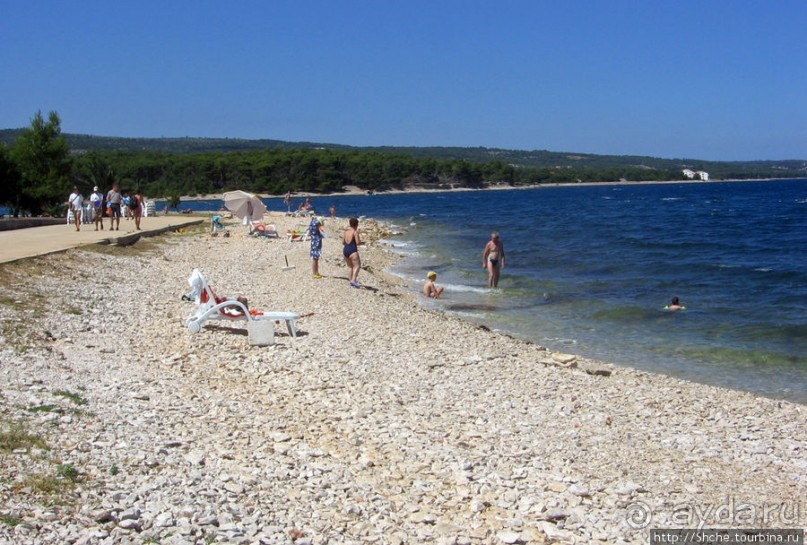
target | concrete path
[{"x": 34, "y": 241}]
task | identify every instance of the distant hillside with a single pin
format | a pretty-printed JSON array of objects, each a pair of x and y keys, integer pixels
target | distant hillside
[
  {"x": 85, "y": 142},
  {"x": 80, "y": 143}
]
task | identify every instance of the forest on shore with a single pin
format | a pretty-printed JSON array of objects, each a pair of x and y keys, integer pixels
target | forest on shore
[{"x": 39, "y": 166}]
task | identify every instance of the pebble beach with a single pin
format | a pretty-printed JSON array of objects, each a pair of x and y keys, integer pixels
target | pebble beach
[{"x": 381, "y": 422}]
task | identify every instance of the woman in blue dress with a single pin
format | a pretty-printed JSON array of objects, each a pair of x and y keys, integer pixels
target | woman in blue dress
[{"x": 316, "y": 235}]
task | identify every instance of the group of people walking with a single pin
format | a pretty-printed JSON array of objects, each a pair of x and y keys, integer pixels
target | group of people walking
[{"x": 112, "y": 204}]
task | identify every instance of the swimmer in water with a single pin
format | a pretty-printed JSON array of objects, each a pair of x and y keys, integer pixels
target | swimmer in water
[{"x": 675, "y": 304}]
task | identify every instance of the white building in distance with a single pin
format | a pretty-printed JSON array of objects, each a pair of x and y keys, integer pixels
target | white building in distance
[{"x": 692, "y": 174}]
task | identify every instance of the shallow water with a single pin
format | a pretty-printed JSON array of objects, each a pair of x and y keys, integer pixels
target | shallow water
[{"x": 589, "y": 270}]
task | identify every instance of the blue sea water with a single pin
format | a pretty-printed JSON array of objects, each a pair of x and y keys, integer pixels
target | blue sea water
[{"x": 590, "y": 268}]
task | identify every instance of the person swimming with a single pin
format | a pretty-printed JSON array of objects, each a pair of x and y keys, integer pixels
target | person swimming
[{"x": 675, "y": 304}]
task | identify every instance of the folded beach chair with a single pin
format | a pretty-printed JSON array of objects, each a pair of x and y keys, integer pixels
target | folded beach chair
[
  {"x": 297, "y": 236},
  {"x": 212, "y": 307},
  {"x": 260, "y": 229},
  {"x": 216, "y": 226}
]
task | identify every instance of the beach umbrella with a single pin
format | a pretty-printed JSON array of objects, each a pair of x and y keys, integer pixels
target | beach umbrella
[{"x": 244, "y": 205}]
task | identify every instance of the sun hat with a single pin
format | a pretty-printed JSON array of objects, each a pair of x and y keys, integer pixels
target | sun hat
[
  {"x": 431, "y": 274},
  {"x": 95, "y": 188}
]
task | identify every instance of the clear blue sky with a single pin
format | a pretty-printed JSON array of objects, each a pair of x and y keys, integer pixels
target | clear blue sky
[{"x": 712, "y": 79}]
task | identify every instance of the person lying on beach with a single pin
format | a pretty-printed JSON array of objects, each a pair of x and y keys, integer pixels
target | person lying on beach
[
  {"x": 675, "y": 304},
  {"x": 201, "y": 296},
  {"x": 234, "y": 310},
  {"x": 430, "y": 289}
]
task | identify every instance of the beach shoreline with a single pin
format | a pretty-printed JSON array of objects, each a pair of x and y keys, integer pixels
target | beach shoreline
[
  {"x": 353, "y": 191},
  {"x": 383, "y": 421}
]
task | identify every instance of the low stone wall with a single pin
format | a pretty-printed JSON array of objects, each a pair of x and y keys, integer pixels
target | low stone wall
[{"x": 9, "y": 224}]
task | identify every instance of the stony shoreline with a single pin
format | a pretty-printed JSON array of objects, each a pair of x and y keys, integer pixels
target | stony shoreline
[{"x": 383, "y": 422}]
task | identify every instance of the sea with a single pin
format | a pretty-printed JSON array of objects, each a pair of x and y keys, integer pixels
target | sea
[{"x": 589, "y": 270}]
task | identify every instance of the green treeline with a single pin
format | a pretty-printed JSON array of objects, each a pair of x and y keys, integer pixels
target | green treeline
[
  {"x": 39, "y": 169},
  {"x": 542, "y": 159},
  {"x": 279, "y": 170}
]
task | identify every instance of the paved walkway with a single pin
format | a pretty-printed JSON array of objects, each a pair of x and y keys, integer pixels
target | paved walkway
[{"x": 34, "y": 241}]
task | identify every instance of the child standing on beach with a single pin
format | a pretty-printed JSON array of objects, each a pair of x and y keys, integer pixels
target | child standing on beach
[{"x": 316, "y": 234}]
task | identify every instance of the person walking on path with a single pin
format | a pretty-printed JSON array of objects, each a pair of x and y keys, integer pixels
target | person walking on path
[
  {"x": 316, "y": 235},
  {"x": 97, "y": 201},
  {"x": 351, "y": 241},
  {"x": 287, "y": 202},
  {"x": 136, "y": 206},
  {"x": 75, "y": 202},
  {"x": 493, "y": 259},
  {"x": 114, "y": 198},
  {"x": 127, "y": 208}
]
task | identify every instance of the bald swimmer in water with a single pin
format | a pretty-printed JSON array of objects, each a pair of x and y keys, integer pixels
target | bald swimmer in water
[{"x": 493, "y": 259}]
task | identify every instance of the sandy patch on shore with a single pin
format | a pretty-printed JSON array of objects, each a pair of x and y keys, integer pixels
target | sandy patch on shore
[{"x": 382, "y": 422}]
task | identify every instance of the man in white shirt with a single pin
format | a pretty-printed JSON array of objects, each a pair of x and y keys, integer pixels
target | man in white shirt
[
  {"x": 97, "y": 200},
  {"x": 75, "y": 202}
]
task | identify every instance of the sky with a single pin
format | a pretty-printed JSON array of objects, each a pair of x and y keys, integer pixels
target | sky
[{"x": 716, "y": 80}]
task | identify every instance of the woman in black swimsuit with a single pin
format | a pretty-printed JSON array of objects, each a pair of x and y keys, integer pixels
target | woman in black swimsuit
[{"x": 351, "y": 241}]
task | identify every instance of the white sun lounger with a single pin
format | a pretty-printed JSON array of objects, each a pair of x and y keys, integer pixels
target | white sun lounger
[{"x": 211, "y": 307}]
